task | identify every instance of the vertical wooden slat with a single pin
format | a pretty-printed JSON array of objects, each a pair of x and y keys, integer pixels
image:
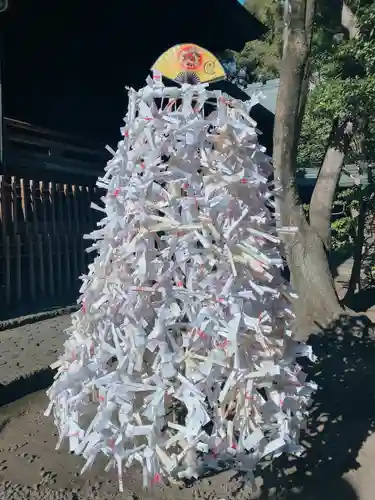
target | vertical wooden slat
[
  {"x": 18, "y": 267},
  {"x": 31, "y": 243},
  {"x": 43, "y": 206},
  {"x": 7, "y": 271},
  {"x": 52, "y": 194},
  {"x": 89, "y": 210},
  {"x": 14, "y": 205},
  {"x": 76, "y": 229},
  {"x": 68, "y": 271},
  {"x": 75, "y": 202},
  {"x": 2, "y": 211},
  {"x": 82, "y": 205},
  {"x": 82, "y": 227},
  {"x": 59, "y": 265},
  {"x": 34, "y": 204},
  {"x": 68, "y": 211},
  {"x": 25, "y": 202},
  {"x": 82, "y": 254},
  {"x": 42, "y": 275},
  {"x": 6, "y": 215},
  {"x": 59, "y": 203},
  {"x": 2, "y": 243},
  {"x": 51, "y": 277}
]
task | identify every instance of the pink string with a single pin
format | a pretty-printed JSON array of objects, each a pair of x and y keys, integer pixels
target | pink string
[
  {"x": 222, "y": 345},
  {"x": 156, "y": 478},
  {"x": 201, "y": 334}
]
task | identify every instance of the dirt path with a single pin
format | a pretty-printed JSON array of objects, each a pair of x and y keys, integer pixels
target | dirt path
[
  {"x": 29, "y": 348},
  {"x": 30, "y": 468}
]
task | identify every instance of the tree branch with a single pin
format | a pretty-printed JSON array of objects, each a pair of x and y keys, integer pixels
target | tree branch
[
  {"x": 309, "y": 24},
  {"x": 326, "y": 184},
  {"x": 349, "y": 20}
]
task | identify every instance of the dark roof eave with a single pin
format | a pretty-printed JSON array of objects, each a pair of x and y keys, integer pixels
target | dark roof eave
[{"x": 248, "y": 27}]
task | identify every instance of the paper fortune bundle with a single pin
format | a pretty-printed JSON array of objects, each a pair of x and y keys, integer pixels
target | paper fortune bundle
[{"x": 181, "y": 356}]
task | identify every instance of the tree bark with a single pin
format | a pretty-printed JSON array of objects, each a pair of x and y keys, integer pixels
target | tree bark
[{"x": 305, "y": 251}]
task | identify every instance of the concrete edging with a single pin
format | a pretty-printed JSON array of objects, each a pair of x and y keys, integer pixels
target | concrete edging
[
  {"x": 34, "y": 318},
  {"x": 28, "y": 346}
]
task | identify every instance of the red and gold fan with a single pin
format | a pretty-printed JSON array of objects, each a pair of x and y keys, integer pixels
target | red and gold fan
[{"x": 189, "y": 63}]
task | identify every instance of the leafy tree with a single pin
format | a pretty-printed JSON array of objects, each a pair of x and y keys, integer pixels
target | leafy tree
[
  {"x": 333, "y": 124},
  {"x": 325, "y": 116},
  {"x": 344, "y": 90}
]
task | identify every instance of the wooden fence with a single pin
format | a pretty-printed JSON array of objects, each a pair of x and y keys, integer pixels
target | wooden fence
[{"x": 44, "y": 212}]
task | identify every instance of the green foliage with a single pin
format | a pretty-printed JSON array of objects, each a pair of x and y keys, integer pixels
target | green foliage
[
  {"x": 342, "y": 88},
  {"x": 343, "y": 71},
  {"x": 344, "y": 227},
  {"x": 350, "y": 205},
  {"x": 339, "y": 99}
]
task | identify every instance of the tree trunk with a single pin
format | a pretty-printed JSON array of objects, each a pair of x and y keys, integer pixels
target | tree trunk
[{"x": 318, "y": 302}]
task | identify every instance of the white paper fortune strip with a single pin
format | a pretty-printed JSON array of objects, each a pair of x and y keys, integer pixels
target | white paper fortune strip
[{"x": 181, "y": 354}]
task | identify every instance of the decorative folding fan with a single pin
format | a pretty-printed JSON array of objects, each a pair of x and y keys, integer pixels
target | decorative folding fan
[{"x": 189, "y": 63}]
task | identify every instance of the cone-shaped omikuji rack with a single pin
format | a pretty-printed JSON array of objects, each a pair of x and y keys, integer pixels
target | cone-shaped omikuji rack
[{"x": 181, "y": 357}]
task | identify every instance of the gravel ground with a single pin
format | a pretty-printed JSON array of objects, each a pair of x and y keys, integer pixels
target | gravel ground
[
  {"x": 29, "y": 348},
  {"x": 31, "y": 468}
]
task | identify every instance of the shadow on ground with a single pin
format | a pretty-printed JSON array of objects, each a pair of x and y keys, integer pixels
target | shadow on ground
[
  {"x": 23, "y": 386},
  {"x": 361, "y": 301},
  {"x": 343, "y": 416}
]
